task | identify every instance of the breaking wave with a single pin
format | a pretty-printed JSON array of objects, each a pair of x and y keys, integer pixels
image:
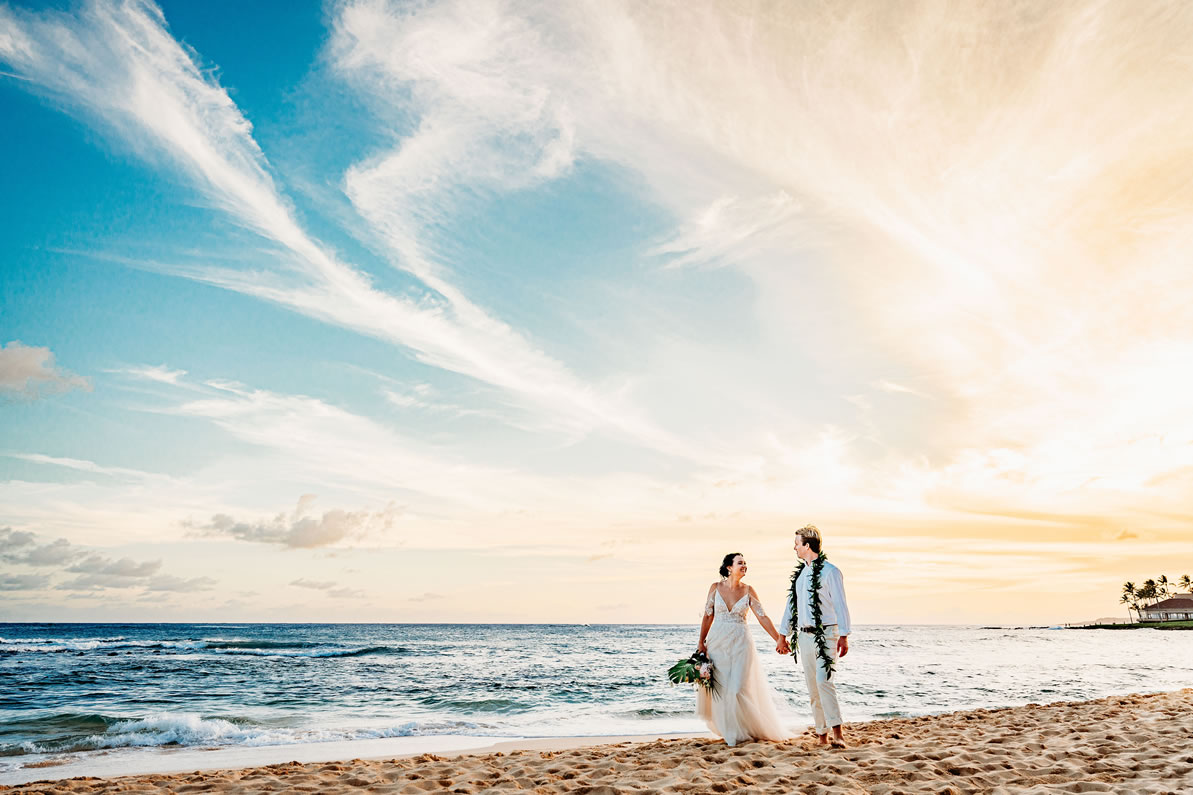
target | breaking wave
[
  {"x": 209, "y": 646},
  {"x": 94, "y": 732}
]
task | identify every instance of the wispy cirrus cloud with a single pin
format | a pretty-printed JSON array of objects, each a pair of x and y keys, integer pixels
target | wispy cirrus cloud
[
  {"x": 891, "y": 386},
  {"x": 487, "y": 119},
  {"x": 321, "y": 441},
  {"x": 159, "y": 373},
  {"x": 116, "y": 63},
  {"x": 90, "y": 467},
  {"x": 1034, "y": 284},
  {"x": 734, "y": 230},
  {"x": 311, "y": 440},
  {"x": 1028, "y": 278}
]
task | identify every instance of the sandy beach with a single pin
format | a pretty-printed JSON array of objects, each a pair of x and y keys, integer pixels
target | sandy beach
[{"x": 1136, "y": 744}]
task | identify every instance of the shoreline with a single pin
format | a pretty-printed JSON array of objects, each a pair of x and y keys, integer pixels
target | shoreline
[
  {"x": 119, "y": 762},
  {"x": 1087, "y": 746},
  {"x": 1169, "y": 626}
]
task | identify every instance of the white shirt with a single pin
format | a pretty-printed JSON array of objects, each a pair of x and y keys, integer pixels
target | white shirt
[{"x": 833, "y": 609}]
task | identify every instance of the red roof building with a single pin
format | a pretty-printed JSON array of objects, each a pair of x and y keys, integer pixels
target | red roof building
[{"x": 1178, "y": 607}]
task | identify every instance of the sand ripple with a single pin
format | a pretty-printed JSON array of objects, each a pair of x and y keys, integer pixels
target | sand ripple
[{"x": 1131, "y": 744}]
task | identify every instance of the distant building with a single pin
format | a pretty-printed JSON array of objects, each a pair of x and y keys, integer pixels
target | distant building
[{"x": 1174, "y": 608}]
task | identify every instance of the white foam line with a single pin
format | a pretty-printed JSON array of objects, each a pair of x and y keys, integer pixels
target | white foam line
[
  {"x": 129, "y": 762},
  {"x": 109, "y": 764}
]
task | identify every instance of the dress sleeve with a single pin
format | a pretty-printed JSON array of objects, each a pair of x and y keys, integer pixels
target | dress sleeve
[
  {"x": 708, "y": 603},
  {"x": 756, "y": 606}
]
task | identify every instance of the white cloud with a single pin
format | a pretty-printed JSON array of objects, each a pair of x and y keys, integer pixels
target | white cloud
[
  {"x": 14, "y": 539},
  {"x": 56, "y": 553},
  {"x": 122, "y": 568},
  {"x": 96, "y": 572},
  {"x": 298, "y": 531},
  {"x": 20, "y": 547},
  {"x": 29, "y": 372},
  {"x": 96, "y": 582},
  {"x": 23, "y": 582},
  {"x": 332, "y": 589},
  {"x": 172, "y": 584}
]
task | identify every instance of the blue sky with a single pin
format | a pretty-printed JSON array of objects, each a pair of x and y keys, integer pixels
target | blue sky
[{"x": 429, "y": 304}]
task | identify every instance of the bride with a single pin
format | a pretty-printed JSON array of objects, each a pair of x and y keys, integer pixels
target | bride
[{"x": 743, "y": 708}]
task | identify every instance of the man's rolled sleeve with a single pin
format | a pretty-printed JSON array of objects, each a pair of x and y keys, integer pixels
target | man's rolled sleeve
[
  {"x": 785, "y": 622},
  {"x": 836, "y": 586}
]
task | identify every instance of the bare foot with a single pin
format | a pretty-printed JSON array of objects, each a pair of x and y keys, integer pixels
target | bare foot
[{"x": 838, "y": 738}]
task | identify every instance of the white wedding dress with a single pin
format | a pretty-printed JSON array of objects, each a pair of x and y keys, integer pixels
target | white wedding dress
[{"x": 743, "y": 708}]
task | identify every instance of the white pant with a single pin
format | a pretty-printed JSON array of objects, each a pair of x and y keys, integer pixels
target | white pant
[{"x": 821, "y": 689}]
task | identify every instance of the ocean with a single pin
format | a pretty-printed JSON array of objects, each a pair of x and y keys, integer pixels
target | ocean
[{"x": 75, "y": 690}]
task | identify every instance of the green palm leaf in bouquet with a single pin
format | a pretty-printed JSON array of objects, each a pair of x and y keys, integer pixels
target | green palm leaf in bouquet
[{"x": 697, "y": 670}]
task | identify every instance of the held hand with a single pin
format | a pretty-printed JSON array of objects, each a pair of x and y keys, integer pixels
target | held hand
[
  {"x": 842, "y": 645},
  {"x": 782, "y": 647}
]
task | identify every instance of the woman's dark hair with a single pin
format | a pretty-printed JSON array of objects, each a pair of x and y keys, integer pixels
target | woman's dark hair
[{"x": 727, "y": 562}]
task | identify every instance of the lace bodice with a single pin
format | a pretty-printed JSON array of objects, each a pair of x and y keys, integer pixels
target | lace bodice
[{"x": 715, "y": 605}]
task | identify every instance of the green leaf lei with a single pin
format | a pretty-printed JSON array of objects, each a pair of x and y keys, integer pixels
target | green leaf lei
[{"x": 817, "y": 615}]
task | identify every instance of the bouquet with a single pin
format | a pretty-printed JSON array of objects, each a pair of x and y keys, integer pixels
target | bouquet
[{"x": 697, "y": 669}]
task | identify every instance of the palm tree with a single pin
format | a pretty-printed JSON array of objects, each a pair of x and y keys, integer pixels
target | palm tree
[
  {"x": 1130, "y": 599},
  {"x": 1146, "y": 595},
  {"x": 1162, "y": 587},
  {"x": 1186, "y": 583}
]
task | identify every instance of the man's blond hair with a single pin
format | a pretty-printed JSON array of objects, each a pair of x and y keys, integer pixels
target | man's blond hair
[{"x": 810, "y": 533}]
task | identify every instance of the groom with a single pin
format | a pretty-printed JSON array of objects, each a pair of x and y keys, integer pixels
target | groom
[{"x": 817, "y": 613}]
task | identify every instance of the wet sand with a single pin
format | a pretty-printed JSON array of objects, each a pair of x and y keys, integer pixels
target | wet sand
[{"x": 1129, "y": 744}]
